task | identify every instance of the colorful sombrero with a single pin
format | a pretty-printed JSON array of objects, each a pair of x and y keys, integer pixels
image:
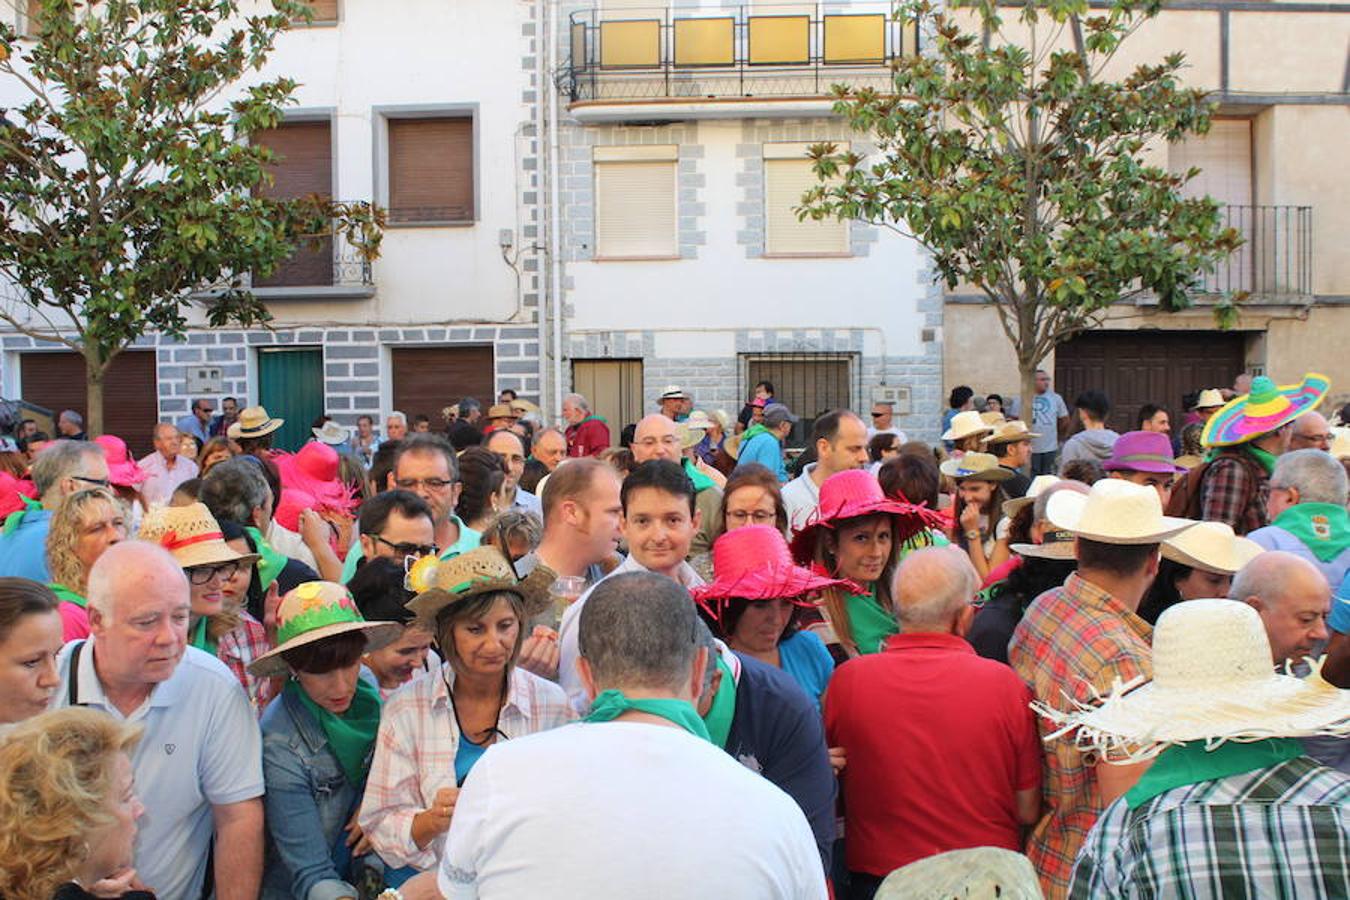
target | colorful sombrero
[{"x": 1264, "y": 410}]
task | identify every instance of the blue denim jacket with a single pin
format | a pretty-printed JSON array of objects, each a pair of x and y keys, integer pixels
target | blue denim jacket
[{"x": 308, "y": 802}]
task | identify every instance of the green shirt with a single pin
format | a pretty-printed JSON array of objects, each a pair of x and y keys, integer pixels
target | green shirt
[{"x": 870, "y": 624}]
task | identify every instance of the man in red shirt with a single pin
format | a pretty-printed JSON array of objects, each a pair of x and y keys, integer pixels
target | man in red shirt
[
  {"x": 587, "y": 433},
  {"x": 941, "y": 747}
]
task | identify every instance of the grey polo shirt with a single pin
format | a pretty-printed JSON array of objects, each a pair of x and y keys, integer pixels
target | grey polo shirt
[{"x": 200, "y": 747}]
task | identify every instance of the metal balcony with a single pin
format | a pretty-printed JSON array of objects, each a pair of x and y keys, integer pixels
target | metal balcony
[
  {"x": 650, "y": 59},
  {"x": 323, "y": 267},
  {"x": 1275, "y": 259}
]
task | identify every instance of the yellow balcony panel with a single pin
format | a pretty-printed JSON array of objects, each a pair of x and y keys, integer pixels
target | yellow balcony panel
[
  {"x": 705, "y": 42},
  {"x": 630, "y": 44},
  {"x": 855, "y": 39},
  {"x": 578, "y": 44},
  {"x": 779, "y": 40}
]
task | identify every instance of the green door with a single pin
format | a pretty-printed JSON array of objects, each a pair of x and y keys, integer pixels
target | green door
[{"x": 290, "y": 386}]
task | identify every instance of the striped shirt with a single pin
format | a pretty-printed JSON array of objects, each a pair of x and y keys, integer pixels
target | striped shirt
[
  {"x": 1281, "y": 831},
  {"x": 1075, "y": 640},
  {"x": 415, "y": 755}
]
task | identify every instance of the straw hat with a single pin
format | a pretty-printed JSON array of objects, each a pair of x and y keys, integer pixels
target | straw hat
[
  {"x": 698, "y": 419},
  {"x": 1009, "y": 432},
  {"x": 1340, "y": 442},
  {"x": 753, "y": 563},
  {"x": 502, "y": 411},
  {"x": 1213, "y": 680},
  {"x": 1114, "y": 511},
  {"x": 1211, "y": 547},
  {"x": 674, "y": 392},
  {"x": 122, "y": 469},
  {"x": 689, "y": 435},
  {"x": 975, "y": 467},
  {"x": 1210, "y": 398},
  {"x": 332, "y": 433},
  {"x": 965, "y": 424},
  {"x": 254, "y": 422},
  {"x": 313, "y": 611},
  {"x": 992, "y": 418},
  {"x": 721, "y": 418},
  {"x": 1055, "y": 544},
  {"x": 523, "y": 407},
  {"x": 849, "y": 495},
  {"x": 191, "y": 534},
  {"x": 1034, "y": 490},
  {"x": 1142, "y": 451},
  {"x": 483, "y": 570},
  {"x": 1264, "y": 410}
]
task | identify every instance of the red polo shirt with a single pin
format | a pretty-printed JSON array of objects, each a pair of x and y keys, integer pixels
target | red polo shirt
[{"x": 938, "y": 741}]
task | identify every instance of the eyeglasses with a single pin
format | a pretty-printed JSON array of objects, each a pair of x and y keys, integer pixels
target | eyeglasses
[
  {"x": 97, "y": 482},
  {"x": 200, "y": 575},
  {"x": 406, "y": 549},
  {"x": 433, "y": 484},
  {"x": 759, "y": 516},
  {"x": 1316, "y": 438},
  {"x": 878, "y": 415}
]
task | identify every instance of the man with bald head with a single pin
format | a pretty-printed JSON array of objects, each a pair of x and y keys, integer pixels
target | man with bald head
[
  {"x": 657, "y": 437},
  {"x": 1311, "y": 432},
  {"x": 512, "y": 451},
  {"x": 941, "y": 746},
  {"x": 198, "y": 764},
  {"x": 1293, "y": 598}
]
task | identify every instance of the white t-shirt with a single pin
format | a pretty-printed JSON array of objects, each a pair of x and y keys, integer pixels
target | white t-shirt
[
  {"x": 801, "y": 497},
  {"x": 624, "y": 810}
]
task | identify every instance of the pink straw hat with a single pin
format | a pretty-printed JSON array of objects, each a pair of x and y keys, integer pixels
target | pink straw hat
[
  {"x": 314, "y": 471},
  {"x": 850, "y": 495},
  {"x": 753, "y": 563},
  {"x": 122, "y": 469}
]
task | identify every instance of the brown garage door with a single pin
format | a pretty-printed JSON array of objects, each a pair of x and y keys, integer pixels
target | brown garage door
[
  {"x": 130, "y": 393},
  {"x": 427, "y": 379},
  {"x": 1139, "y": 367}
]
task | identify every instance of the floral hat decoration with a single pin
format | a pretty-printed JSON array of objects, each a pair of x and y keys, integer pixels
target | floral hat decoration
[{"x": 316, "y": 610}]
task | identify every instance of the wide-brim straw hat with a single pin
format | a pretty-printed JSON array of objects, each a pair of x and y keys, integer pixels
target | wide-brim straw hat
[
  {"x": 1055, "y": 544},
  {"x": 502, "y": 411},
  {"x": 965, "y": 424},
  {"x": 1210, "y": 398},
  {"x": 1009, "y": 432},
  {"x": 1034, "y": 490},
  {"x": 1213, "y": 681},
  {"x": 850, "y": 495},
  {"x": 314, "y": 611},
  {"x": 1142, "y": 451},
  {"x": 975, "y": 467},
  {"x": 483, "y": 570},
  {"x": 253, "y": 422},
  {"x": 1211, "y": 547},
  {"x": 192, "y": 535},
  {"x": 332, "y": 433},
  {"x": 1114, "y": 511},
  {"x": 732, "y": 446},
  {"x": 1267, "y": 408},
  {"x": 523, "y": 407},
  {"x": 122, "y": 469},
  {"x": 753, "y": 563}
]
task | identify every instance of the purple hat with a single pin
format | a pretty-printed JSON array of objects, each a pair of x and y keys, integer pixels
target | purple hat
[{"x": 1143, "y": 451}]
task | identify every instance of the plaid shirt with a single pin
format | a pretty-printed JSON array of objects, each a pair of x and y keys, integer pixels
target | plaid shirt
[
  {"x": 1235, "y": 490},
  {"x": 1076, "y": 639},
  {"x": 1282, "y": 831},
  {"x": 241, "y": 646},
  {"x": 415, "y": 755}
]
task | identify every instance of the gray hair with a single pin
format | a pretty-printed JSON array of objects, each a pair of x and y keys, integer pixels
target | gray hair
[
  {"x": 1043, "y": 498},
  {"x": 931, "y": 587},
  {"x": 72, "y": 417},
  {"x": 60, "y": 460},
  {"x": 126, "y": 567},
  {"x": 429, "y": 443},
  {"x": 578, "y": 401},
  {"x": 517, "y": 524},
  {"x": 1315, "y": 474},
  {"x": 234, "y": 488},
  {"x": 638, "y": 629},
  {"x": 403, "y": 420}
]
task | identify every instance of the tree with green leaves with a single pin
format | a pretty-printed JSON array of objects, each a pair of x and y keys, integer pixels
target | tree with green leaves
[
  {"x": 1020, "y": 167},
  {"x": 129, "y": 189}
]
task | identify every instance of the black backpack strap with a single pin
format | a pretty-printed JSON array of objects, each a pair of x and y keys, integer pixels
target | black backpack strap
[{"x": 73, "y": 694}]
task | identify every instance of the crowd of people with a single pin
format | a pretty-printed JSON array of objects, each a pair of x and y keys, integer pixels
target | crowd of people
[{"x": 503, "y": 659}]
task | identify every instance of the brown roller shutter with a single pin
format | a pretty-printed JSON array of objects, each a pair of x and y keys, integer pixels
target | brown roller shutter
[
  {"x": 130, "y": 395},
  {"x": 303, "y": 166},
  {"x": 428, "y": 379},
  {"x": 324, "y": 11},
  {"x": 431, "y": 170}
]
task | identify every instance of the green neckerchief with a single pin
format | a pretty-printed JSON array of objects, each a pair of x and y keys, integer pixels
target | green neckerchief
[
  {"x": 751, "y": 432},
  {"x": 723, "y": 708},
  {"x": 351, "y": 735},
  {"x": 868, "y": 622},
  {"x": 15, "y": 519},
  {"x": 1191, "y": 763},
  {"x": 270, "y": 560},
  {"x": 66, "y": 595},
  {"x": 1324, "y": 528},
  {"x": 593, "y": 418},
  {"x": 201, "y": 639},
  {"x": 1266, "y": 459},
  {"x": 612, "y": 703},
  {"x": 701, "y": 482}
]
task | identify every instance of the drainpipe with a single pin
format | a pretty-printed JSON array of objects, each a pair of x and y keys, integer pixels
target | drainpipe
[
  {"x": 543, "y": 292},
  {"x": 555, "y": 224}
]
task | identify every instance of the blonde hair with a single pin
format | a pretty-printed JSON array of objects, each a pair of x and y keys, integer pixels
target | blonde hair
[
  {"x": 69, "y": 520},
  {"x": 56, "y": 777}
]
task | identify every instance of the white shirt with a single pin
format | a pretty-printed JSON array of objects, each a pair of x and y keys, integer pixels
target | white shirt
[
  {"x": 801, "y": 496},
  {"x": 201, "y": 748},
  {"x": 158, "y": 488},
  {"x": 283, "y": 540},
  {"x": 624, "y": 810},
  {"x": 873, "y": 432},
  {"x": 568, "y": 647}
]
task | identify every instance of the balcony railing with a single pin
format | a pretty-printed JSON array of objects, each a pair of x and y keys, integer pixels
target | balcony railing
[
  {"x": 787, "y": 50},
  {"x": 1275, "y": 259},
  {"x": 318, "y": 265}
]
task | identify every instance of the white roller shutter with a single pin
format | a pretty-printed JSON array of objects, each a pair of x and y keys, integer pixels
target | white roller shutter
[
  {"x": 785, "y": 180},
  {"x": 635, "y": 215}
]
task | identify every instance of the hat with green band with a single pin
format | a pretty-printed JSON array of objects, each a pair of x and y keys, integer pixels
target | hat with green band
[
  {"x": 483, "y": 570},
  {"x": 312, "y": 612}
]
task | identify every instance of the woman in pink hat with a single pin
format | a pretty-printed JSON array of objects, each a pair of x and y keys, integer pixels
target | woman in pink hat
[
  {"x": 856, "y": 535},
  {"x": 755, "y": 602},
  {"x": 125, "y": 476}
]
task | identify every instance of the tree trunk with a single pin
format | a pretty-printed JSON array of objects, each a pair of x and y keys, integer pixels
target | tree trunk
[
  {"x": 1027, "y": 370},
  {"x": 94, "y": 372}
]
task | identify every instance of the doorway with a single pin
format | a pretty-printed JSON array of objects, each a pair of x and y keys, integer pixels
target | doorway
[{"x": 290, "y": 386}]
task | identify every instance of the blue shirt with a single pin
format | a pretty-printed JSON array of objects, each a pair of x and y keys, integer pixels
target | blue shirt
[
  {"x": 23, "y": 552},
  {"x": 466, "y": 754},
  {"x": 192, "y": 425},
  {"x": 1339, "y": 620},
  {"x": 804, "y": 657},
  {"x": 765, "y": 449}
]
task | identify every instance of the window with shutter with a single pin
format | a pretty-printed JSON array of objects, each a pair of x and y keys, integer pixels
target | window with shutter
[
  {"x": 325, "y": 12},
  {"x": 786, "y": 179},
  {"x": 303, "y": 165},
  {"x": 635, "y": 214},
  {"x": 32, "y": 10},
  {"x": 431, "y": 171}
]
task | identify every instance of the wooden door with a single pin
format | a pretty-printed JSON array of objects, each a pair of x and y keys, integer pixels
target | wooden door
[
  {"x": 130, "y": 392},
  {"x": 290, "y": 386},
  {"x": 428, "y": 379},
  {"x": 613, "y": 387}
]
